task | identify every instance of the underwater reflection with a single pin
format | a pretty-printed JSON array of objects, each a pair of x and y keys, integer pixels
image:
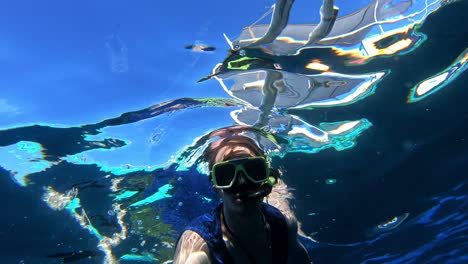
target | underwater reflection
[
  {"x": 143, "y": 203},
  {"x": 346, "y": 30}
]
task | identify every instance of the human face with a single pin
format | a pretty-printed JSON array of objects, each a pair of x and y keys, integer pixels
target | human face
[{"x": 242, "y": 188}]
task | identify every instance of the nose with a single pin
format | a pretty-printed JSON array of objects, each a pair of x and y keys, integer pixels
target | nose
[{"x": 241, "y": 178}]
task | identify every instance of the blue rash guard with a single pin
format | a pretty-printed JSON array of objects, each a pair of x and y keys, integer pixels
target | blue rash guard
[{"x": 208, "y": 226}]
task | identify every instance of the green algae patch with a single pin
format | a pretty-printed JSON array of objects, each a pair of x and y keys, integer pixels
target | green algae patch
[{"x": 148, "y": 223}]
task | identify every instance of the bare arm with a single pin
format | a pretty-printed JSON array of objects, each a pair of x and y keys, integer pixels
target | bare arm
[
  {"x": 278, "y": 22},
  {"x": 328, "y": 14},
  {"x": 191, "y": 249},
  {"x": 280, "y": 18},
  {"x": 269, "y": 97}
]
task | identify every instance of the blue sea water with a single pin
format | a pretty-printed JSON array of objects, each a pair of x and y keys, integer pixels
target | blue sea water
[{"x": 101, "y": 118}]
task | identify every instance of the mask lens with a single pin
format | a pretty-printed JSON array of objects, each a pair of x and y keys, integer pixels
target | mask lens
[
  {"x": 256, "y": 169},
  {"x": 224, "y": 174}
]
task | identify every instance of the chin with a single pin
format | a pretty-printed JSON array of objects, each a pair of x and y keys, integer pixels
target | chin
[
  {"x": 242, "y": 199},
  {"x": 242, "y": 206}
]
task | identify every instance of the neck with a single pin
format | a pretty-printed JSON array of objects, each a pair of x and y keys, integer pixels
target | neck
[{"x": 244, "y": 221}]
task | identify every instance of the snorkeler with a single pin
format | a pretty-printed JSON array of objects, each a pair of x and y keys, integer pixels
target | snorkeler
[{"x": 243, "y": 228}]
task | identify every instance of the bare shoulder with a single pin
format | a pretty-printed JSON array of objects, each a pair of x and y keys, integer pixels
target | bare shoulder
[
  {"x": 292, "y": 224},
  {"x": 191, "y": 249},
  {"x": 297, "y": 252}
]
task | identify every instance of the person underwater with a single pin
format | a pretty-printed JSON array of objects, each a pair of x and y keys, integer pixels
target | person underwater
[{"x": 242, "y": 228}]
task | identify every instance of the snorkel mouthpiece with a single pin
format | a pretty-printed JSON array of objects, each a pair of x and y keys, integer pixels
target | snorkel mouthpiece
[
  {"x": 258, "y": 194},
  {"x": 263, "y": 191}
]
